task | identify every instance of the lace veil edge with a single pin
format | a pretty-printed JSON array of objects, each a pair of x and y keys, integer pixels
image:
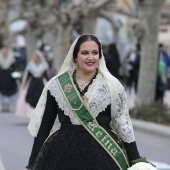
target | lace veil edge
[{"x": 37, "y": 114}]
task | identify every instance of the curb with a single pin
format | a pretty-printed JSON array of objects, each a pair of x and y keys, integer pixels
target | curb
[{"x": 151, "y": 127}]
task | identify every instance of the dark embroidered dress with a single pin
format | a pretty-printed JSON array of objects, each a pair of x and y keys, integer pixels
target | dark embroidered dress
[
  {"x": 8, "y": 85},
  {"x": 36, "y": 76},
  {"x": 35, "y": 89},
  {"x": 72, "y": 147}
]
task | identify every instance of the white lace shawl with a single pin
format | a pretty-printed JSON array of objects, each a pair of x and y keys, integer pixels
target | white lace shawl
[
  {"x": 6, "y": 62},
  {"x": 104, "y": 90},
  {"x": 37, "y": 70}
]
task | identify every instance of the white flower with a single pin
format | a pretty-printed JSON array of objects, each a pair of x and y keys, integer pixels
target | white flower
[
  {"x": 142, "y": 166},
  {"x": 16, "y": 75}
]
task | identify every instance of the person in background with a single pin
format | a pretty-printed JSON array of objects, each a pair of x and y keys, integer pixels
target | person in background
[
  {"x": 113, "y": 60},
  {"x": 164, "y": 56},
  {"x": 81, "y": 120},
  {"x": 24, "y": 56},
  {"x": 134, "y": 62},
  {"x": 161, "y": 81},
  {"x": 33, "y": 81},
  {"x": 129, "y": 70},
  {"x": 17, "y": 55},
  {"x": 48, "y": 53},
  {"x": 8, "y": 84},
  {"x": 20, "y": 55}
]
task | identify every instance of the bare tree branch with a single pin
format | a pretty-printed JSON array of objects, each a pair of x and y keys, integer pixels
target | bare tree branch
[
  {"x": 124, "y": 12},
  {"x": 109, "y": 16},
  {"x": 128, "y": 5},
  {"x": 94, "y": 5}
]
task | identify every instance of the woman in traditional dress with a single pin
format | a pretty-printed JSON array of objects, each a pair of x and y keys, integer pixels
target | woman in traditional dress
[
  {"x": 8, "y": 85},
  {"x": 88, "y": 107},
  {"x": 33, "y": 82}
]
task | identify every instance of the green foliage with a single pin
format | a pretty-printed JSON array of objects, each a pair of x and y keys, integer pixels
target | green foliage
[{"x": 157, "y": 113}]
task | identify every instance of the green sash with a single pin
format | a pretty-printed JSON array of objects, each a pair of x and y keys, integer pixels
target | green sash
[{"x": 87, "y": 119}]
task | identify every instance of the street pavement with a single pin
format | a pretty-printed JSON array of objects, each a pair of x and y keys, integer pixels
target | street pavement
[{"x": 15, "y": 141}]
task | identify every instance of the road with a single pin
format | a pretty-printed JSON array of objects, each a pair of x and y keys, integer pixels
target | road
[
  {"x": 155, "y": 148},
  {"x": 16, "y": 143}
]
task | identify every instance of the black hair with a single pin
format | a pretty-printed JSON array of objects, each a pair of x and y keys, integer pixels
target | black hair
[
  {"x": 138, "y": 47},
  {"x": 81, "y": 40},
  {"x": 112, "y": 49}
]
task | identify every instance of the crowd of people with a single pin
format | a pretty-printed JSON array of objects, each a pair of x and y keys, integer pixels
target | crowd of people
[
  {"x": 23, "y": 77},
  {"x": 131, "y": 65}
]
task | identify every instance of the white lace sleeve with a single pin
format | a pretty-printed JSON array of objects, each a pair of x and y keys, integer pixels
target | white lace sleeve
[{"x": 121, "y": 120}]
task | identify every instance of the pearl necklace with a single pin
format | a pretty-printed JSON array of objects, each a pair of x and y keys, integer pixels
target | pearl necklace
[{"x": 84, "y": 89}]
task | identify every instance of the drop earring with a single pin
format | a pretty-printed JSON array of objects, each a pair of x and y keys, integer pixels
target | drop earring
[{"x": 76, "y": 64}]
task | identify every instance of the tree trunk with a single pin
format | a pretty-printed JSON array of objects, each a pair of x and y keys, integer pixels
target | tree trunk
[
  {"x": 6, "y": 35},
  {"x": 89, "y": 24},
  {"x": 149, "y": 12},
  {"x": 62, "y": 44},
  {"x": 31, "y": 41},
  {"x": 115, "y": 25},
  {"x": 115, "y": 34}
]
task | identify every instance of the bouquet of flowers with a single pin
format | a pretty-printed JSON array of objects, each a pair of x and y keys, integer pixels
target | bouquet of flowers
[
  {"x": 142, "y": 166},
  {"x": 16, "y": 75}
]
